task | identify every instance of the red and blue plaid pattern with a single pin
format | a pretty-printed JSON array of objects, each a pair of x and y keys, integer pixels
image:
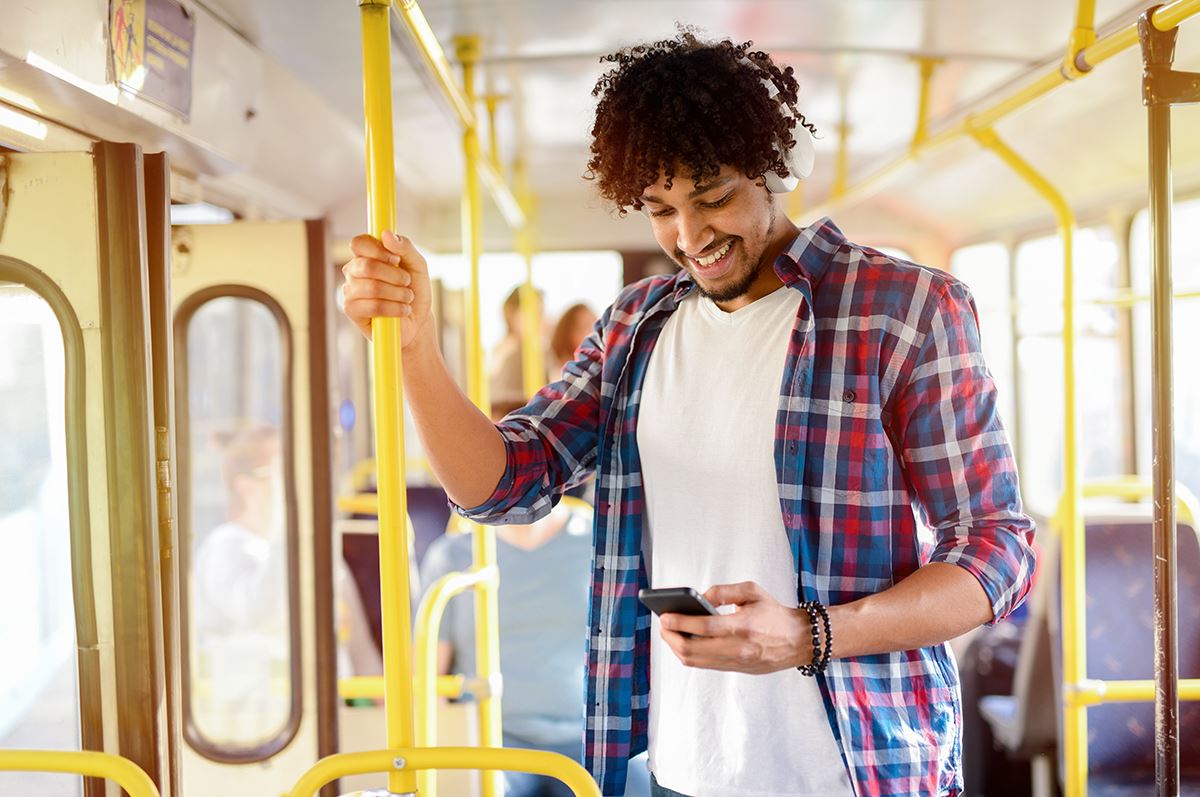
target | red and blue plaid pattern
[{"x": 886, "y": 410}]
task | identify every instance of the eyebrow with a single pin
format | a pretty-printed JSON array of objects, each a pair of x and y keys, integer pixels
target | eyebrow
[{"x": 700, "y": 189}]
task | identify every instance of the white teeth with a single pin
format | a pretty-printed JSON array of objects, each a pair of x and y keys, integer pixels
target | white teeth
[{"x": 715, "y": 256}]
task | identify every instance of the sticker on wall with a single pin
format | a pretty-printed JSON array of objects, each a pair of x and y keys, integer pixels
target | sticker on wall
[{"x": 150, "y": 50}]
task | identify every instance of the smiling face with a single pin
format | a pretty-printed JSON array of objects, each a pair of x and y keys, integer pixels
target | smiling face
[{"x": 725, "y": 232}]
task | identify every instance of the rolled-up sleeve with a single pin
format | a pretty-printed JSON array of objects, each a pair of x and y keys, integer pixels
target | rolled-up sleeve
[
  {"x": 957, "y": 455},
  {"x": 550, "y": 443}
]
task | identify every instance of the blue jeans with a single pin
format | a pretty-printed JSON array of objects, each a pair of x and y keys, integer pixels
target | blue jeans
[
  {"x": 523, "y": 784},
  {"x": 659, "y": 791}
]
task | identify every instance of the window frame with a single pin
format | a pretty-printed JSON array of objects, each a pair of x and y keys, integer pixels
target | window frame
[
  {"x": 87, "y": 647},
  {"x": 187, "y": 309}
]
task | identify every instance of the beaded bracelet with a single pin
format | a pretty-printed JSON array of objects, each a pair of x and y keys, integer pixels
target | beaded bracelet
[
  {"x": 818, "y": 619},
  {"x": 828, "y": 635}
]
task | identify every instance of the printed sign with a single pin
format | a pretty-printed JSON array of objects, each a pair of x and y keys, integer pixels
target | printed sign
[{"x": 151, "y": 46}]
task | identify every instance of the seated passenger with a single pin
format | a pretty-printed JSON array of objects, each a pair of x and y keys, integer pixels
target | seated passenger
[
  {"x": 239, "y": 598},
  {"x": 506, "y": 384},
  {"x": 573, "y": 326}
]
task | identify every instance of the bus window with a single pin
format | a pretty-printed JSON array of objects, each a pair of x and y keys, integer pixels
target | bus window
[
  {"x": 984, "y": 267},
  {"x": 241, "y": 671},
  {"x": 39, "y": 693},
  {"x": 1039, "y": 357},
  {"x": 1185, "y": 228}
]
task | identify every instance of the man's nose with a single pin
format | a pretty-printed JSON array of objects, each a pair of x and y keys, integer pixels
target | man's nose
[{"x": 692, "y": 234}]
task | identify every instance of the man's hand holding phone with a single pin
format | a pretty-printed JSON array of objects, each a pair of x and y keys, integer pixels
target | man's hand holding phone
[{"x": 761, "y": 636}]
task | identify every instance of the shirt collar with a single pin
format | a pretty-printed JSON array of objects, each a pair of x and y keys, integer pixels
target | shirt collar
[{"x": 805, "y": 259}]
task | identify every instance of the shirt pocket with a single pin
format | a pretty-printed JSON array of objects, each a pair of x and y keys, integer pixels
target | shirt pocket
[{"x": 849, "y": 448}]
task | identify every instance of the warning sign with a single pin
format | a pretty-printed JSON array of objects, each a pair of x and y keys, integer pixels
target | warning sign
[{"x": 151, "y": 49}]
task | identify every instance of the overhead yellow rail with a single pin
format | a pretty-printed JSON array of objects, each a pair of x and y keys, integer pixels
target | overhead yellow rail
[
  {"x": 1166, "y": 17},
  {"x": 463, "y": 106},
  {"x": 126, "y": 774}
]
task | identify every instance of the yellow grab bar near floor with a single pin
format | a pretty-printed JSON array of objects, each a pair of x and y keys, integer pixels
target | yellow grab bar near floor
[
  {"x": 126, "y": 774},
  {"x": 537, "y": 762},
  {"x": 425, "y": 644}
]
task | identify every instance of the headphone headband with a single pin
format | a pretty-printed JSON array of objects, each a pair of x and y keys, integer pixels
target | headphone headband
[{"x": 799, "y": 159}]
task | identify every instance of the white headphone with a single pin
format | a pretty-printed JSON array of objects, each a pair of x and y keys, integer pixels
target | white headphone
[{"x": 799, "y": 159}]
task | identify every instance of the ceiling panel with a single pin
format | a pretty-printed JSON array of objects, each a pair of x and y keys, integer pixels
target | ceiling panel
[{"x": 851, "y": 57}]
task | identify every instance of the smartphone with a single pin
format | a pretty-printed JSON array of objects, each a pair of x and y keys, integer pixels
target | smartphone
[{"x": 675, "y": 600}]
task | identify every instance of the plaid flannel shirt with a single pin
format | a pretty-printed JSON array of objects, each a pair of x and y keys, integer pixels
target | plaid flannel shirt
[{"x": 886, "y": 407}]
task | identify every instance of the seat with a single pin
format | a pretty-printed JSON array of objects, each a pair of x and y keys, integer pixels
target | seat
[
  {"x": 1120, "y": 646},
  {"x": 1022, "y": 722}
]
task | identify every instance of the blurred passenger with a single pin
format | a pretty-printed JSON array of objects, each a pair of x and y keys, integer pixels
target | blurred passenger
[
  {"x": 506, "y": 384},
  {"x": 573, "y": 326},
  {"x": 543, "y": 603},
  {"x": 239, "y": 594}
]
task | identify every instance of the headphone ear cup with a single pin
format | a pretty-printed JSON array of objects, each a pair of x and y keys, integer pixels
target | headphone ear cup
[{"x": 799, "y": 161}]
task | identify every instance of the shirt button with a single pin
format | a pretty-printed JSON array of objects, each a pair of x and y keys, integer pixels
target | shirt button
[{"x": 848, "y": 396}]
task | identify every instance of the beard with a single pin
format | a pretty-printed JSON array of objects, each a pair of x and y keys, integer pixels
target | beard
[{"x": 740, "y": 285}]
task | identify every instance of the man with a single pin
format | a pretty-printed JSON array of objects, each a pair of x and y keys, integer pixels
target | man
[{"x": 762, "y": 421}]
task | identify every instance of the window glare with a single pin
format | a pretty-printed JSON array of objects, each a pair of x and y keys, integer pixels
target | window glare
[
  {"x": 240, "y": 668},
  {"x": 563, "y": 278},
  {"x": 984, "y": 268},
  {"x": 39, "y": 695},
  {"x": 1039, "y": 322}
]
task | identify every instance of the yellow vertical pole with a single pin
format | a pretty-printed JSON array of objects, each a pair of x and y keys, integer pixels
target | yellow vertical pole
[
  {"x": 487, "y": 617},
  {"x": 795, "y": 201},
  {"x": 1074, "y": 617},
  {"x": 389, "y": 398},
  {"x": 1083, "y": 35},
  {"x": 492, "y": 103},
  {"x": 927, "y": 66},
  {"x": 533, "y": 361},
  {"x": 472, "y": 226},
  {"x": 841, "y": 174}
]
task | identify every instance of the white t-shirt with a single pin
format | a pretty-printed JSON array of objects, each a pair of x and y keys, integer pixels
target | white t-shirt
[{"x": 706, "y": 432}]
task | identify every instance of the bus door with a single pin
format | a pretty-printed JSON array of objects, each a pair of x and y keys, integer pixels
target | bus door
[
  {"x": 82, "y": 635},
  {"x": 253, "y": 429}
]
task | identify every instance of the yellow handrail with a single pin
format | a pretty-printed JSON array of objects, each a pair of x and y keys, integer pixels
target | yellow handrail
[
  {"x": 1074, "y": 639},
  {"x": 1094, "y": 692},
  {"x": 537, "y": 762},
  {"x": 533, "y": 363},
  {"x": 1137, "y": 488},
  {"x": 1166, "y": 17},
  {"x": 487, "y": 619},
  {"x": 461, "y": 103},
  {"x": 126, "y": 774},
  {"x": 429, "y": 620},
  {"x": 389, "y": 398},
  {"x": 371, "y": 686}
]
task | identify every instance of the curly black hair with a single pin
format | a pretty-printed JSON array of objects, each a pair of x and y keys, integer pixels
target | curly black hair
[{"x": 686, "y": 107}]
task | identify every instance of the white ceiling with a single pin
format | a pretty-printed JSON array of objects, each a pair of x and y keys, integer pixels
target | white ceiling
[{"x": 850, "y": 56}]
